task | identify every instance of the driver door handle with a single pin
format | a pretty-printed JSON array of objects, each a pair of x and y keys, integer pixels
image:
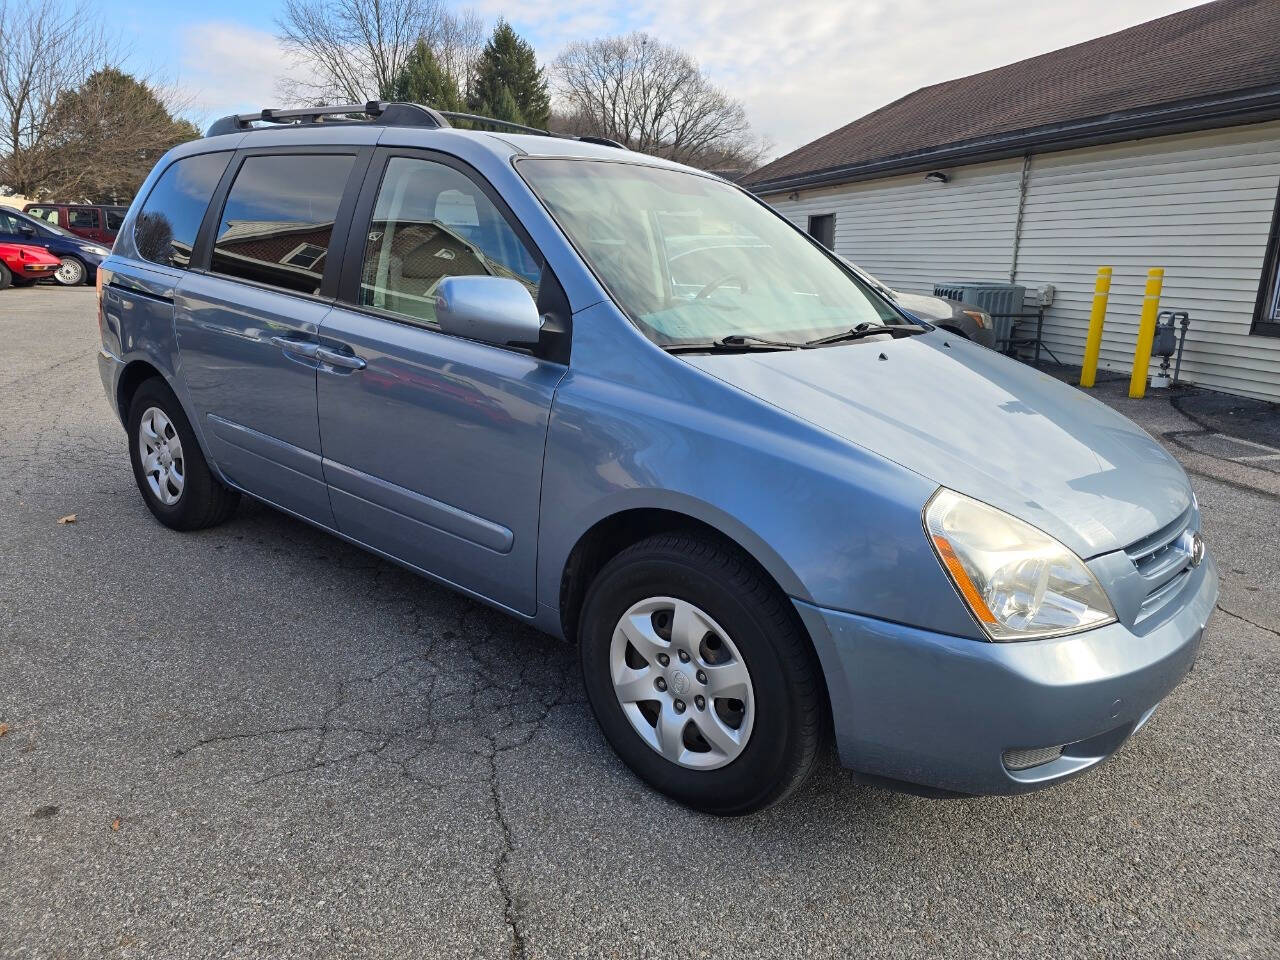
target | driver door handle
[{"x": 333, "y": 358}]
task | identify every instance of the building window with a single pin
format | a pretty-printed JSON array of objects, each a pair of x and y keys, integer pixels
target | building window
[
  {"x": 823, "y": 229},
  {"x": 307, "y": 256},
  {"x": 1266, "y": 317}
]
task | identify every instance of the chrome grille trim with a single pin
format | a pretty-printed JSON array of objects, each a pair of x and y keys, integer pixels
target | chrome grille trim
[{"x": 1163, "y": 560}]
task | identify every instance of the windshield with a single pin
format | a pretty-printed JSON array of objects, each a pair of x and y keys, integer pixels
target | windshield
[
  {"x": 694, "y": 260},
  {"x": 48, "y": 229}
]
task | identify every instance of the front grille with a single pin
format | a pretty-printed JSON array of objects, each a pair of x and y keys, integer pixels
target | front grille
[
  {"x": 1024, "y": 759},
  {"x": 1163, "y": 560}
]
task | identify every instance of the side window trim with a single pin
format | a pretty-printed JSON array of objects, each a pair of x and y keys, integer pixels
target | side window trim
[{"x": 203, "y": 253}]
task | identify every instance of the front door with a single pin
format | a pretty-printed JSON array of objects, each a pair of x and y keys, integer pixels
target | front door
[
  {"x": 433, "y": 444},
  {"x": 247, "y": 326},
  {"x": 85, "y": 222}
]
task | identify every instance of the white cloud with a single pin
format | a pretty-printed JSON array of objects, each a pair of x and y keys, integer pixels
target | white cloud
[
  {"x": 806, "y": 67},
  {"x": 230, "y": 68},
  {"x": 802, "y": 67}
]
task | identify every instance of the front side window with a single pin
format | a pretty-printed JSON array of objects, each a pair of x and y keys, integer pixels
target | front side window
[
  {"x": 431, "y": 222},
  {"x": 114, "y": 219},
  {"x": 279, "y": 208},
  {"x": 693, "y": 260},
  {"x": 82, "y": 218},
  {"x": 165, "y": 229}
]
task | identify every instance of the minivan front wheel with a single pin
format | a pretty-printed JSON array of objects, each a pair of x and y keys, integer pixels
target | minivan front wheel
[
  {"x": 700, "y": 675},
  {"x": 171, "y": 472},
  {"x": 71, "y": 272}
]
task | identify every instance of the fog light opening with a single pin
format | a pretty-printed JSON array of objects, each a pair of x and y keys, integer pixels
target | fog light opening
[{"x": 1025, "y": 759}]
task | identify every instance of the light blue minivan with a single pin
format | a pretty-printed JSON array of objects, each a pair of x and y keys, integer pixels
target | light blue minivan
[{"x": 627, "y": 403}]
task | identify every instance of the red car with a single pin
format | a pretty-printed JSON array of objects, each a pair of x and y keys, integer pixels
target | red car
[{"x": 24, "y": 263}]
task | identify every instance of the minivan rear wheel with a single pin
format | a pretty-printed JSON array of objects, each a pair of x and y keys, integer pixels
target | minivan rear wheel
[
  {"x": 700, "y": 675},
  {"x": 170, "y": 469},
  {"x": 71, "y": 272}
]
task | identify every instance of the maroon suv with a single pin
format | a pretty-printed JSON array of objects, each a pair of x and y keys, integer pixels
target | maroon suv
[{"x": 92, "y": 221}]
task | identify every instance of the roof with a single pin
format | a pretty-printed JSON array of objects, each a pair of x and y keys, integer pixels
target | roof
[{"x": 1211, "y": 65}]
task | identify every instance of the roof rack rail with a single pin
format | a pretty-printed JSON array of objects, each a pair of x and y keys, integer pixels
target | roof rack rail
[
  {"x": 379, "y": 112},
  {"x": 375, "y": 111},
  {"x": 495, "y": 122},
  {"x": 524, "y": 128}
]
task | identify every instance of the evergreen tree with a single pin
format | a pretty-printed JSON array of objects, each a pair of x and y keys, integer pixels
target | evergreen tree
[
  {"x": 423, "y": 80},
  {"x": 508, "y": 69},
  {"x": 504, "y": 108}
]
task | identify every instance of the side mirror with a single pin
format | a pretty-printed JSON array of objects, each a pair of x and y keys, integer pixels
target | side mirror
[
  {"x": 494, "y": 310},
  {"x": 28, "y": 229}
]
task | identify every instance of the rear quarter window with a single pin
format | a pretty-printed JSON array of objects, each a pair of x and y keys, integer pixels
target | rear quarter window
[{"x": 168, "y": 222}]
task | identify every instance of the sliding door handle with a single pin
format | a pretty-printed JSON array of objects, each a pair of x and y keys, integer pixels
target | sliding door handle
[{"x": 345, "y": 361}]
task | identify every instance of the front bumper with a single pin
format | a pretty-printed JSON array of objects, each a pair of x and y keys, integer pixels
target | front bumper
[{"x": 940, "y": 711}]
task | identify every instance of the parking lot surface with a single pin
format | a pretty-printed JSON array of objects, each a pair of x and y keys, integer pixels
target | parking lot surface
[{"x": 257, "y": 741}]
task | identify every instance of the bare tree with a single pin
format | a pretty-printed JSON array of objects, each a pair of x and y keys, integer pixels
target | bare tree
[
  {"x": 458, "y": 42},
  {"x": 353, "y": 50},
  {"x": 652, "y": 97},
  {"x": 47, "y": 47}
]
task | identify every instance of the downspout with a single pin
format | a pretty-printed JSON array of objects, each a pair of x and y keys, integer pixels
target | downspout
[{"x": 1022, "y": 206}]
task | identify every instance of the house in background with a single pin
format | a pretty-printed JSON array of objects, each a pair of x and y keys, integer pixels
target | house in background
[{"x": 1158, "y": 146}]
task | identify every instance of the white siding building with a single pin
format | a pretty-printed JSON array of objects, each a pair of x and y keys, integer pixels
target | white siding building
[{"x": 1189, "y": 184}]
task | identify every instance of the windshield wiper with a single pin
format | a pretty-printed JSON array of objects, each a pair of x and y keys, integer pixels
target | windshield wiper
[
  {"x": 865, "y": 329},
  {"x": 734, "y": 343}
]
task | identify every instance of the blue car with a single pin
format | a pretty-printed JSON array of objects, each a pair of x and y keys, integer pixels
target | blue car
[
  {"x": 628, "y": 404},
  {"x": 80, "y": 257}
]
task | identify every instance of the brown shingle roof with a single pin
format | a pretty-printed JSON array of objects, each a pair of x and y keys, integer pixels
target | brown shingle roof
[{"x": 1218, "y": 48}]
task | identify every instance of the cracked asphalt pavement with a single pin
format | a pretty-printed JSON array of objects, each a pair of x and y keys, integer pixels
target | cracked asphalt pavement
[{"x": 256, "y": 741}]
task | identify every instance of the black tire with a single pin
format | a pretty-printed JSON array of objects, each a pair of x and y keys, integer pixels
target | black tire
[
  {"x": 6, "y": 277},
  {"x": 791, "y": 725},
  {"x": 204, "y": 500},
  {"x": 81, "y": 277}
]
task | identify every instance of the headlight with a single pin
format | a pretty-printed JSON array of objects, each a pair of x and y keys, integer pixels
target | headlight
[
  {"x": 980, "y": 317},
  {"x": 100, "y": 251},
  {"x": 1018, "y": 581}
]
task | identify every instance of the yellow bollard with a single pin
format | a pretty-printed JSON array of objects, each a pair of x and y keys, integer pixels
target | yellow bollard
[
  {"x": 1146, "y": 333},
  {"x": 1092, "y": 346}
]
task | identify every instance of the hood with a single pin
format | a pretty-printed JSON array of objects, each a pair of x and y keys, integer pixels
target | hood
[{"x": 982, "y": 424}]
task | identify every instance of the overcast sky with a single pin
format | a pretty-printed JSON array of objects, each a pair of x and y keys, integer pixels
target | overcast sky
[{"x": 802, "y": 67}]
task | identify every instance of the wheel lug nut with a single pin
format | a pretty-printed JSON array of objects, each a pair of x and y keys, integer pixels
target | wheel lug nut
[
  {"x": 700, "y": 702},
  {"x": 684, "y": 657},
  {"x": 663, "y": 659},
  {"x": 702, "y": 677},
  {"x": 679, "y": 706},
  {"x": 660, "y": 683}
]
